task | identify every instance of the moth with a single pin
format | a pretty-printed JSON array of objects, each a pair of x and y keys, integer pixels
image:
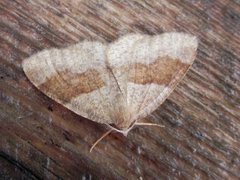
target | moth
[{"x": 117, "y": 84}]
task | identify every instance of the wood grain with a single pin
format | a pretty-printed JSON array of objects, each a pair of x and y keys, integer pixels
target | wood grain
[{"x": 40, "y": 139}]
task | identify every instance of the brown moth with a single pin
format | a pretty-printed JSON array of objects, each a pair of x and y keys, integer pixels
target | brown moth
[{"x": 116, "y": 84}]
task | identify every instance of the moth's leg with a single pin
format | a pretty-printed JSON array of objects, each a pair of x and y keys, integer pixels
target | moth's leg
[{"x": 103, "y": 136}]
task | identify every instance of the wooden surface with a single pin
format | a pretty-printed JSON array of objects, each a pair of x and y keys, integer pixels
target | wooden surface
[{"x": 40, "y": 139}]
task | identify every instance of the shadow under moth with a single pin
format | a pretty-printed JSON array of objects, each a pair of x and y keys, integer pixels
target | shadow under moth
[{"x": 116, "y": 84}]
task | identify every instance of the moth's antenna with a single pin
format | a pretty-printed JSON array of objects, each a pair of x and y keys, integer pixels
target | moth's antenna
[
  {"x": 112, "y": 128},
  {"x": 103, "y": 136},
  {"x": 148, "y": 124}
]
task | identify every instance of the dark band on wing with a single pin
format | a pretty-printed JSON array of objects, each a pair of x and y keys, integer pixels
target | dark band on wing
[
  {"x": 160, "y": 72},
  {"x": 66, "y": 85}
]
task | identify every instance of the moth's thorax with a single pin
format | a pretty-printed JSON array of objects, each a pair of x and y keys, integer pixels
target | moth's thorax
[{"x": 124, "y": 117}]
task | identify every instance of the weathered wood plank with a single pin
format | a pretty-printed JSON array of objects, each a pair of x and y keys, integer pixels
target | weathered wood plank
[{"x": 40, "y": 139}]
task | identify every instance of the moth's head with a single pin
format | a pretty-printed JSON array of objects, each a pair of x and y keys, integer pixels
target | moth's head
[
  {"x": 122, "y": 117},
  {"x": 124, "y": 127}
]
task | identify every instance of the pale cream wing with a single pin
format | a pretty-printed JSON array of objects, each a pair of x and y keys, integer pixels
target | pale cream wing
[
  {"x": 150, "y": 67},
  {"x": 77, "y": 78},
  {"x": 117, "y": 84}
]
